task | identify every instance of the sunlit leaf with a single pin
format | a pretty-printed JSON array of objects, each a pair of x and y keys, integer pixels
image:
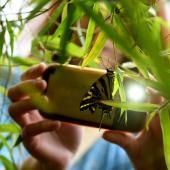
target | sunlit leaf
[
  {"x": 18, "y": 141},
  {"x": 37, "y": 9},
  {"x": 66, "y": 32},
  {"x": 96, "y": 49},
  {"x": 165, "y": 125},
  {"x": 120, "y": 41},
  {"x": 11, "y": 35},
  {"x": 24, "y": 61},
  {"x": 54, "y": 44},
  {"x": 120, "y": 77},
  {"x": 53, "y": 18},
  {"x": 2, "y": 39},
  {"x": 7, "y": 163},
  {"x": 64, "y": 11},
  {"x": 149, "y": 119},
  {"x": 12, "y": 128},
  {"x": 90, "y": 31},
  {"x": 2, "y": 89},
  {"x": 138, "y": 107}
]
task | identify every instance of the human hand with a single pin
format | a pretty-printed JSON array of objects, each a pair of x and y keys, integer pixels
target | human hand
[
  {"x": 51, "y": 142},
  {"x": 145, "y": 149}
]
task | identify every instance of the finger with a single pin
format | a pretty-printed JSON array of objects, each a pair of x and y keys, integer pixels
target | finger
[
  {"x": 123, "y": 139},
  {"x": 34, "y": 72},
  {"x": 18, "y": 109},
  {"x": 17, "y": 92},
  {"x": 41, "y": 127}
]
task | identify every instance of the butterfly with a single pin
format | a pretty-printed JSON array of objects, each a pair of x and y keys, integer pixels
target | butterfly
[{"x": 102, "y": 89}]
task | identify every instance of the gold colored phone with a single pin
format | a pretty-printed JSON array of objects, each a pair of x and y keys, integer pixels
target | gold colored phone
[{"x": 67, "y": 85}]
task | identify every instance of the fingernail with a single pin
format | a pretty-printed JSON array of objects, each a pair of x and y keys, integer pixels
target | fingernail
[{"x": 108, "y": 136}]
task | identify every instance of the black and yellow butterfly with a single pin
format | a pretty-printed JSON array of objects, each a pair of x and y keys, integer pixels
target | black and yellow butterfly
[{"x": 101, "y": 90}]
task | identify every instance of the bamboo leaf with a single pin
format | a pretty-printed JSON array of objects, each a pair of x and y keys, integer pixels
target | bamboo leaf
[
  {"x": 121, "y": 89},
  {"x": 18, "y": 141},
  {"x": 53, "y": 18},
  {"x": 24, "y": 61},
  {"x": 66, "y": 32},
  {"x": 77, "y": 14},
  {"x": 11, "y": 35},
  {"x": 145, "y": 81},
  {"x": 149, "y": 119},
  {"x": 12, "y": 128},
  {"x": 54, "y": 44},
  {"x": 7, "y": 163},
  {"x": 119, "y": 40},
  {"x": 96, "y": 50},
  {"x": 2, "y": 40},
  {"x": 37, "y": 9},
  {"x": 2, "y": 89},
  {"x": 138, "y": 107},
  {"x": 122, "y": 93},
  {"x": 64, "y": 11},
  {"x": 90, "y": 31},
  {"x": 116, "y": 85},
  {"x": 165, "y": 125}
]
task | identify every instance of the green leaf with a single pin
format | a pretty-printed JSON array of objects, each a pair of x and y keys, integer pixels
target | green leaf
[
  {"x": 2, "y": 40},
  {"x": 64, "y": 11},
  {"x": 165, "y": 125},
  {"x": 2, "y": 89},
  {"x": 120, "y": 41},
  {"x": 37, "y": 9},
  {"x": 24, "y": 61},
  {"x": 96, "y": 50},
  {"x": 116, "y": 85},
  {"x": 90, "y": 31},
  {"x": 5, "y": 144},
  {"x": 12, "y": 128},
  {"x": 120, "y": 77},
  {"x": 11, "y": 35},
  {"x": 138, "y": 107},
  {"x": 18, "y": 141},
  {"x": 77, "y": 14},
  {"x": 7, "y": 163},
  {"x": 149, "y": 119},
  {"x": 4, "y": 139},
  {"x": 66, "y": 32},
  {"x": 52, "y": 43},
  {"x": 53, "y": 18},
  {"x": 148, "y": 82}
]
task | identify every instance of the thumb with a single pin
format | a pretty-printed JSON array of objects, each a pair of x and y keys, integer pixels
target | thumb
[{"x": 123, "y": 139}]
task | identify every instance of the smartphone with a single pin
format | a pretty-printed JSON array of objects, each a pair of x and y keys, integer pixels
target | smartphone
[{"x": 66, "y": 87}]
